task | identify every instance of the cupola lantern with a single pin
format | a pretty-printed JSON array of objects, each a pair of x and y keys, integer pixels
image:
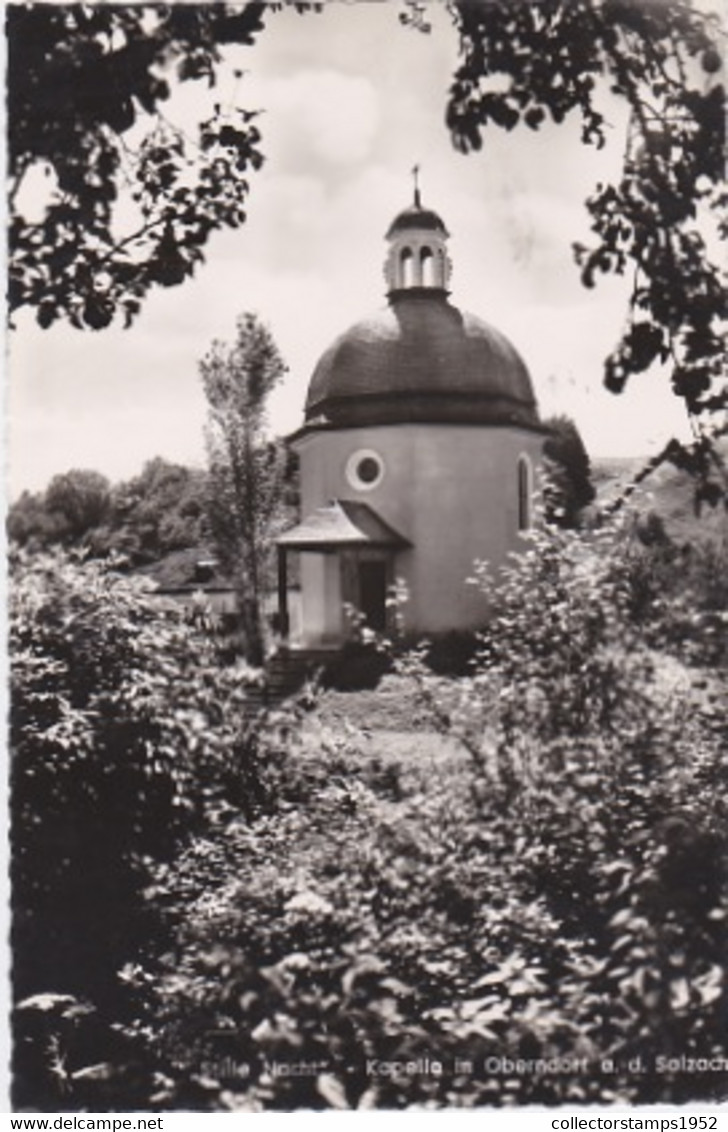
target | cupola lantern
[{"x": 417, "y": 258}]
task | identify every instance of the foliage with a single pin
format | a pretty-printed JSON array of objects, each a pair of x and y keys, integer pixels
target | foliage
[
  {"x": 81, "y": 498},
  {"x": 74, "y": 504},
  {"x": 553, "y": 894},
  {"x": 677, "y": 593},
  {"x": 570, "y": 483},
  {"x": 246, "y": 471},
  {"x": 161, "y": 510},
  {"x": 527, "y": 63},
  {"x": 218, "y": 908},
  {"x": 156, "y": 512},
  {"x": 125, "y": 735},
  {"x": 156, "y": 522},
  {"x": 130, "y": 198},
  {"x": 30, "y": 523}
]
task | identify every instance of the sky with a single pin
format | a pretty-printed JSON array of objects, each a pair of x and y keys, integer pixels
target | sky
[{"x": 351, "y": 101}]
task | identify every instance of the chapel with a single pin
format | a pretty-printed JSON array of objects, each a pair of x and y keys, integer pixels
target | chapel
[{"x": 418, "y": 456}]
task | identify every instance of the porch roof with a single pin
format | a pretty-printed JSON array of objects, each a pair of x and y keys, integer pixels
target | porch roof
[{"x": 342, "y": 523}]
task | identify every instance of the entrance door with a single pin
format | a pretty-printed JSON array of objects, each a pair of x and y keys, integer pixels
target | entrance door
[{"x": 373, "y": 594}]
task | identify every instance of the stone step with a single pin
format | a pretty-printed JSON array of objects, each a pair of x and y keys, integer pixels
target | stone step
[{"x": 285, "y": 674}]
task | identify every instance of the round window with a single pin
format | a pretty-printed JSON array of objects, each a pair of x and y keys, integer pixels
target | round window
[{"x": 364, "y": 469}]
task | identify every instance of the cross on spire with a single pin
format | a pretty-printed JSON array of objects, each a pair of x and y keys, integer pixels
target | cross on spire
[{"x": 415, "y": 175}]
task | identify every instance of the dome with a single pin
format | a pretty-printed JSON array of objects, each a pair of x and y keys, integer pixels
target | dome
[
  {"x": 421, "y": 360},
  {"x": 416, "y": 217}
]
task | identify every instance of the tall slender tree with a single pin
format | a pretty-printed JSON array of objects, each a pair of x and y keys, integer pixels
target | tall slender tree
[{"x": 246, "y": 467}]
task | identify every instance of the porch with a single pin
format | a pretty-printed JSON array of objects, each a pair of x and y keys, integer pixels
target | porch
[{"x": 348, "y": 556}]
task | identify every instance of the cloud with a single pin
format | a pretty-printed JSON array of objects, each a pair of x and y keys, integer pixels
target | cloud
[{"x": 332, "y": 115}]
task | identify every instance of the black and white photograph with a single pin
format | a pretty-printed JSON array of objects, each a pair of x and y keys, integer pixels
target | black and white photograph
[{"x": 366, "y": 453}]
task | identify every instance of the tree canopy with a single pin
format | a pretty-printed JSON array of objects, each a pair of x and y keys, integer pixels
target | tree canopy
[
  {"x": 525, "y": 63},
  {"x": 81, "y": 498},
  {"x": 129, "y": 199},
  {"x": 571, "y": 488},
  {"x": 159, "y": 511}
]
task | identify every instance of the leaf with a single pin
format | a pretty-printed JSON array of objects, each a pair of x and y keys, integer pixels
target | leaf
[
  {"x": 484, "y": 1010},
  {"x": 103, "y": 1071},
  {"x": 47, "y": 1002},
  {"x": 97, "y": 313},
  {"x": 397, "y": 987},
  {"x": 332, "y": 1090},
  {"x": 502, "y": 974},
  {"x": 369, "y": 1099},
  {"x": 623, "y": 917},
  {"x": 679, "y": 994},
  {"x": 47, "y": 314},
  {"x": 710, "y": 985},
  {"x": 368, "y": 965}
]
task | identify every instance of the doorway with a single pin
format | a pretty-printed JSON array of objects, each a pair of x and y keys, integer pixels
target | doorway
[{"x": 373, "y": 594}]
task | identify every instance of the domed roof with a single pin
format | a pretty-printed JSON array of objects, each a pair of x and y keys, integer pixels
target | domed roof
[
  {"x": 421, "y": 360},
  {"x": 416, "y": 217}
]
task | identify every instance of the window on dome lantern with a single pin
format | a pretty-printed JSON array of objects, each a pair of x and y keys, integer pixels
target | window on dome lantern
[
  {"x": 407, "y": 268},
  {"x": 427, "y": 265},
  {"x": 524, "y": 493}
]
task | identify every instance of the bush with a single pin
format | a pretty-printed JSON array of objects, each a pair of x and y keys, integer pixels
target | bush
[
  {"x": 125, "y": 736},
  {"x": 554, "y": 894},
  {"x": 446, "y": 928},
  {"x": 548, "y": 889},
  {"x": 677, "y": 594}
]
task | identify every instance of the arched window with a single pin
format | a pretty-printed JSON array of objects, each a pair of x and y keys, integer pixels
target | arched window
[
  {"x": 442, "y": 268},
  {"x": 524, "y": 493},
  {"x": 406, "y": 268},
  {"x": 427, "y": 267}
]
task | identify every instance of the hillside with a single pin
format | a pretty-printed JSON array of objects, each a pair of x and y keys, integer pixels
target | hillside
[{"x": 667, "y": 492}]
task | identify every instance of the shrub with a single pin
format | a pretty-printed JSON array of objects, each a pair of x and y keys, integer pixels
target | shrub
[
  {"x": 442, "y": 925},
  {"x": 554, "y": 893},
  {"x": 551, "y": 890},
  {"x": 125, "y": 735},
  {"x": 677, "y": 593}
]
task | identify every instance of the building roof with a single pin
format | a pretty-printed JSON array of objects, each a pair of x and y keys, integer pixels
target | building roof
[
  {"x": 421, "y": 360},
  {"x": 189, "y": 569},
  {"x": 341, "y": 523},
  {"x": 416, "y": 217}
]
